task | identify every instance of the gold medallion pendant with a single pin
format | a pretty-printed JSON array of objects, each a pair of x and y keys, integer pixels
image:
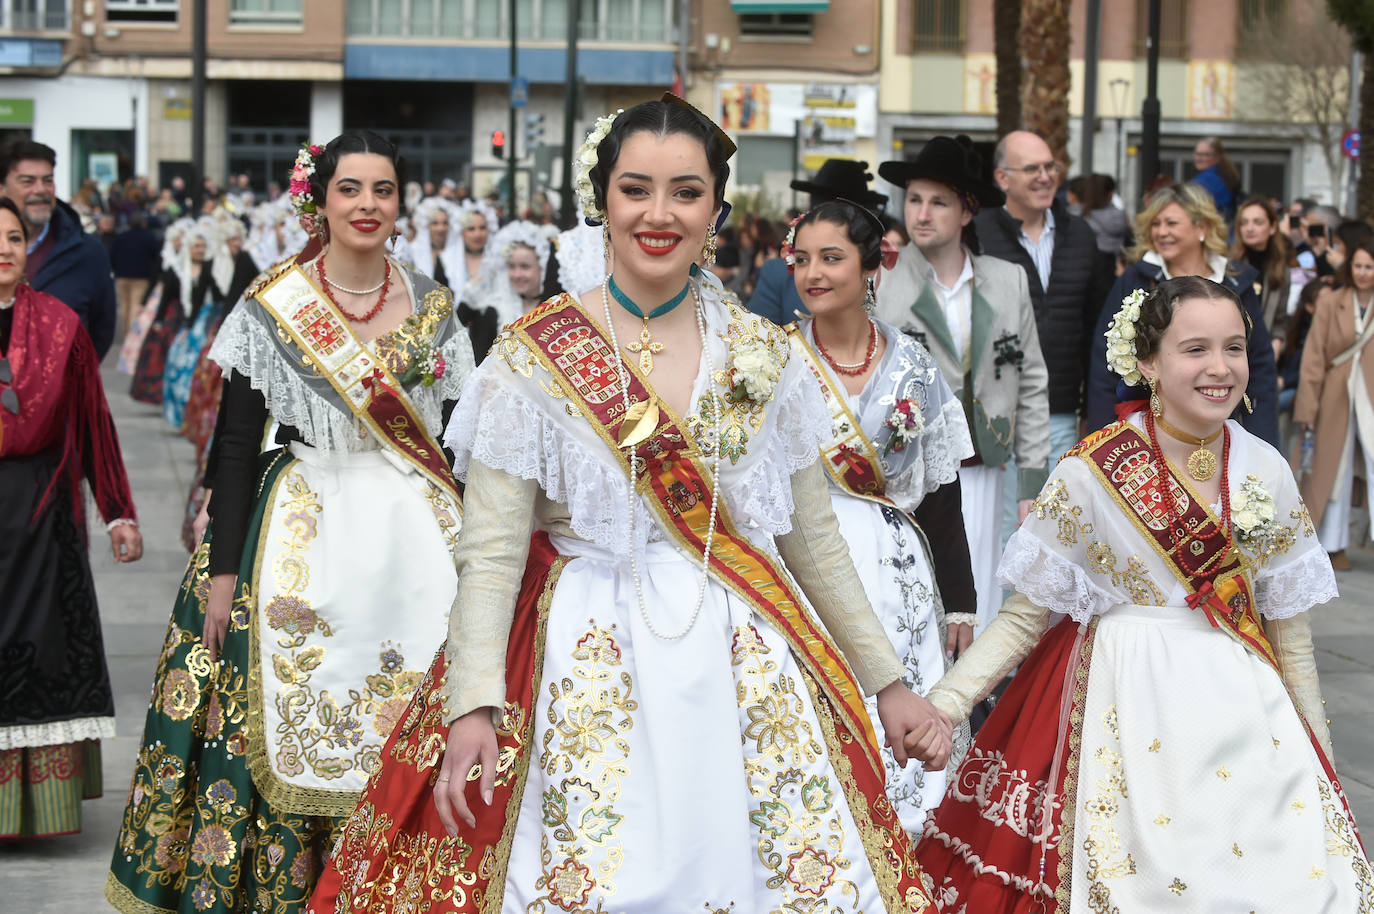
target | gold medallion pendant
[{"x": 1202, "y": 463}]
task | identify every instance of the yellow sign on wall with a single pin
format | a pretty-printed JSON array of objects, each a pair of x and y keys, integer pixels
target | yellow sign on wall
[
  {"x": 176, "y": 109},
  {"x": 1211, "y": 89}
]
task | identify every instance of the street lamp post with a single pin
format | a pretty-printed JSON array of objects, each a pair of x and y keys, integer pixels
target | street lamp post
[{"x": 1121, "y": 94}]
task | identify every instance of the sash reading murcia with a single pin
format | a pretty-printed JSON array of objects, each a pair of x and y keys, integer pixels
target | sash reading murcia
[
  {"x": 362, "y": 381},
  {"x": 674, "y": 481},
  {"x": 1198, "y": 551}
]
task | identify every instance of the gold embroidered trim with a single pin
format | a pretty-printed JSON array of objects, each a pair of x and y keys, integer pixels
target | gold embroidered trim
[
  {"x": 1069, "y": 804},
  {"x": 127, "y": 902}
]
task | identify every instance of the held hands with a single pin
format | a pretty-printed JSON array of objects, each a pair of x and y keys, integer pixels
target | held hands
[
  {"x": 471, "y": 741},
  {"x": 957, "y": 639},
  {"x": 217, "y": 607},
  {"x": 914, "y": 728}
]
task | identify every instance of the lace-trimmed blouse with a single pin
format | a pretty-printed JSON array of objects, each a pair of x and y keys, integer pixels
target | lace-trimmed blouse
[{"x": 1078, "y": 554}]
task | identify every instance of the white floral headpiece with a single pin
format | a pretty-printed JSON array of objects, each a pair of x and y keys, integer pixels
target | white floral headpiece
[
  {"x": 586, "y": 161},
  {"x": 302, "y": 200},
  {"x": 1121, "y": 354}
]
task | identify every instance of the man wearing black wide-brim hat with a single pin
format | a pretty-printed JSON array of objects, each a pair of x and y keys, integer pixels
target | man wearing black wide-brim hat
[
  {"x": 974, "y": 314},
  {"x": 775, "y": 293}
]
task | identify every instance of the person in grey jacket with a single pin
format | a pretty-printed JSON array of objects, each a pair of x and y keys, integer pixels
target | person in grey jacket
[{"x": 974, "y": 314}]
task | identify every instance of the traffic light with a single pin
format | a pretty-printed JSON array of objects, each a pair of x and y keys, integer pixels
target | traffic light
[
  {"x": 498, "y": 144},
  {"x": 534, "y": 132}
]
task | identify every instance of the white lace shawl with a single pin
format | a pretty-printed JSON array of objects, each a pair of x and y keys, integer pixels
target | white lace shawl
[
  {"x": 907, "y": 371},
  {"x": 248, "y": 343},
  {"x": 1078, "y": 554},
  {"x": 507, "y": 420}
]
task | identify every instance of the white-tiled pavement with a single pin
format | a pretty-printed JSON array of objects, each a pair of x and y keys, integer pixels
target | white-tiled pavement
[{"x": 68, "y": 874}]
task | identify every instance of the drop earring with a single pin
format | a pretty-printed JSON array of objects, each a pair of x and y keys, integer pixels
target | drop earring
[
  {"x": 606, "y": 242},
  {"x": 870, "y": 295},
  {"x": 1156, "y": 405},
  {"x": 708, "y": 250},
  {"x": 1249, "y": 407}
]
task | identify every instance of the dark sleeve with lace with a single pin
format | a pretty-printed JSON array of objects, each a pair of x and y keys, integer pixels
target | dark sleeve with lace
[{"x": 940, "y": 515}]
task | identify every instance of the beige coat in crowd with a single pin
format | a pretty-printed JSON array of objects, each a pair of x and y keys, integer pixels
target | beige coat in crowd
[{"x": 1323, "y": 398}]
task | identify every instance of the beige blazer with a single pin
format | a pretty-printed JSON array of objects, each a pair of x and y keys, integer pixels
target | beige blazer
[{"x": 1008, "y": 408}]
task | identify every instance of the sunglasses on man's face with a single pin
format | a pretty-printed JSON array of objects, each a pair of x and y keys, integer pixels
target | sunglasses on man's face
[{"x": 8, "y": 398}]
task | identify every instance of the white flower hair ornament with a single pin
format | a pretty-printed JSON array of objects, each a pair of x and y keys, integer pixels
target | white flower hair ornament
[
  {"x": 1121, "y": 353},
  {"x": 583, "y": 164}
]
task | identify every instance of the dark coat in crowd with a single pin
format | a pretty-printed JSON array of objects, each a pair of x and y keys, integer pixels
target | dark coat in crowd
[
  {"x": 76, "y": 272},
  {"x": 1104, "y": 391},
  {"x": 1066, "y": 312}
]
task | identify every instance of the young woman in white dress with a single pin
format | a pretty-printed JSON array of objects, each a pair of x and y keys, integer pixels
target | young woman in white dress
[
  {"x": 1163, "y": 747},
  {"x": 635, "y": 711},
  {"x": 891, "y": 450}
]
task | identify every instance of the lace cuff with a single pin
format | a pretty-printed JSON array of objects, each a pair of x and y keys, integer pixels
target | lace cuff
[
  {"x": 1296, "y": 587},
  {"x": 794, "y": 445},
  {"x": 504, "y": 430},
  {"x": 1050, "y": 580},
  {"x": 944, "y": 445}
]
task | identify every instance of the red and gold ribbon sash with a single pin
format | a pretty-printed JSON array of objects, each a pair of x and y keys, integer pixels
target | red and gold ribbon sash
[
  {"x": 361, "y": 379},
  {"x": 849, "y": 456},
  {"x": 675, "y": 481},
  {"x": 1198, "y": 550}
]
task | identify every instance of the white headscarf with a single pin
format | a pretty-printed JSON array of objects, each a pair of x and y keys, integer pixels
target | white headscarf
[{"x": 495, "y": 291}]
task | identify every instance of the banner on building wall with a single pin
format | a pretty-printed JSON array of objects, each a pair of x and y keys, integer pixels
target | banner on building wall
[
  {"x": 1211, "y": 88},
  {"x": 774, "y": 109}
]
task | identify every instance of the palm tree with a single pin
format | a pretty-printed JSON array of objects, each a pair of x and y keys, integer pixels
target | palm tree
[
  {"x": 1358, "y": 18},
  {"x": 1045, "y": 95},
  {"x": 1006, "y": 34}
]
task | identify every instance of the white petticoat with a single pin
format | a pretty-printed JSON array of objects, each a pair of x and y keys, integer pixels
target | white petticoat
[
  {"x": 684, "y": 775},
  {"x": 1198, "y": 787},
  {"x": 894, "y": 565}
]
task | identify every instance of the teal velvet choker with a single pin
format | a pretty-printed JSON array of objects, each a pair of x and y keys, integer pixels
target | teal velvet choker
[{"x": 628, "y": 303}]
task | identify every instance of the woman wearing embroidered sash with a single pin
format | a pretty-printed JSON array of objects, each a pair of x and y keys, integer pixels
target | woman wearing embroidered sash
[
  {"x": 896, "y": 437},
  {"x": 1163, "y": 747},
  {"x": 328, "y": 568},
  {"x": 655, "y": 732}
]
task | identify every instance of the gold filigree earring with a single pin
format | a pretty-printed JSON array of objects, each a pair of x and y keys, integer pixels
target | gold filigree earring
[
  {"x": 1156, "y": 404},
  {"x": 1249, "y": 407},
  {"x": 606, "y": 241},
  {"x": 708, "y": 250}
]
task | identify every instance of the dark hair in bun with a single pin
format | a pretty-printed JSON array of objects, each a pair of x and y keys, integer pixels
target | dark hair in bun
[
  {"x": 662, "y": 119},
  {"x": 1157, "y": 310},
  {"x": 863, "y": 228},
  {"x": 348, "y": 143}
]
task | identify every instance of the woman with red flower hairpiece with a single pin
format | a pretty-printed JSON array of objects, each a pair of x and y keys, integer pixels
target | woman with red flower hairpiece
[
  {"x": 326, "y": 577},
  {"x": 891, "y": 450}
]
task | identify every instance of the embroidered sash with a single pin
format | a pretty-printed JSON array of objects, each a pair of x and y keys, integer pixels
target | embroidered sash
[
  {"x": 1212, "y": 570},
  {"x": 674, "y": 480},
  {"x": 849, "y": 456},
  {"x": 304, "y": 312}
]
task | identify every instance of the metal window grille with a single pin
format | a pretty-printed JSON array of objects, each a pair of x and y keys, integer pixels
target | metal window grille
[
  {"x": 939, "y": 25},
  {"x": 39, "y": 15},
  {"x": 265, "y": 12},
  {"x": 1173, "y": 28},
  {"x": 539, "y": 20}
]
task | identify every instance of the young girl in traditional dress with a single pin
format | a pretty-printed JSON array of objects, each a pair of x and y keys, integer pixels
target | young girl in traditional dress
[
  {"x": 660, "y": 725},
  {"x": 1163, "y": 747},
  {"x": 306, "y": 620},
  {"x": 891, "y": 450}
]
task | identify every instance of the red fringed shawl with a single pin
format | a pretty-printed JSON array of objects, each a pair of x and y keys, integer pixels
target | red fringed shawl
[{"x": 62, "y": 403}]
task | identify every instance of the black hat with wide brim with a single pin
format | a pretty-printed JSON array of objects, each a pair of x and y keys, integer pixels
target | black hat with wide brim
[
  {"x": 843, "y": 178},
  {"x": 949, "y": 160}
]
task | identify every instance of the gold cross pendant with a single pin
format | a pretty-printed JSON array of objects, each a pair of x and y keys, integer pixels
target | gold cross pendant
[{"x": 646, "y": 348}]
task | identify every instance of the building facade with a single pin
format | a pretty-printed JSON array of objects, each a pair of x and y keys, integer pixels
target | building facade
[{"x": 1216, "y": 78}]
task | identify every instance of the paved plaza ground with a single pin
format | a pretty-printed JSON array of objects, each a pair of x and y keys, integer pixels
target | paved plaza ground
[{"x": 68, "y": 874}]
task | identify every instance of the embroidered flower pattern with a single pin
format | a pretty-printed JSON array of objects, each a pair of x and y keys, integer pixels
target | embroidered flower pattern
[
  {"x": 907, "y": 423},
  {"x": 1121, "y": 355},
  {"x": 1009, "y": 353},
  {"x": 585, "y": 161}
]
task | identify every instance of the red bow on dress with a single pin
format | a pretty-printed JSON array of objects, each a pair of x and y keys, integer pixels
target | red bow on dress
[
  {"x": 1214, "y": 599},
  {"x": 377, "y": 381}
]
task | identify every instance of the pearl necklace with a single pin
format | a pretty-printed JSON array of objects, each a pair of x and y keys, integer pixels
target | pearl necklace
[
  {"x": 634, "y": 476},
  {"x": 376, "y": 288}
]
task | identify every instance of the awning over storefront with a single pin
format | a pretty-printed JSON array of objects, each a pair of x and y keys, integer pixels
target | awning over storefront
[{"x": 777, "y": 6}]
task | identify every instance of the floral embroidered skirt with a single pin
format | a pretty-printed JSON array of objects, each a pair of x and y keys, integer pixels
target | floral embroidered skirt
[
  {"x": 637, "y": 774},
  {"x": 894, "y": 563},
  {"x": 138, "y": 331},
  {"x": 248, "y": 766},
  {"x": 1184, "y": 779},
  {"x": 182, "y": 358},
  {"x": 55, "y": 697}
]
